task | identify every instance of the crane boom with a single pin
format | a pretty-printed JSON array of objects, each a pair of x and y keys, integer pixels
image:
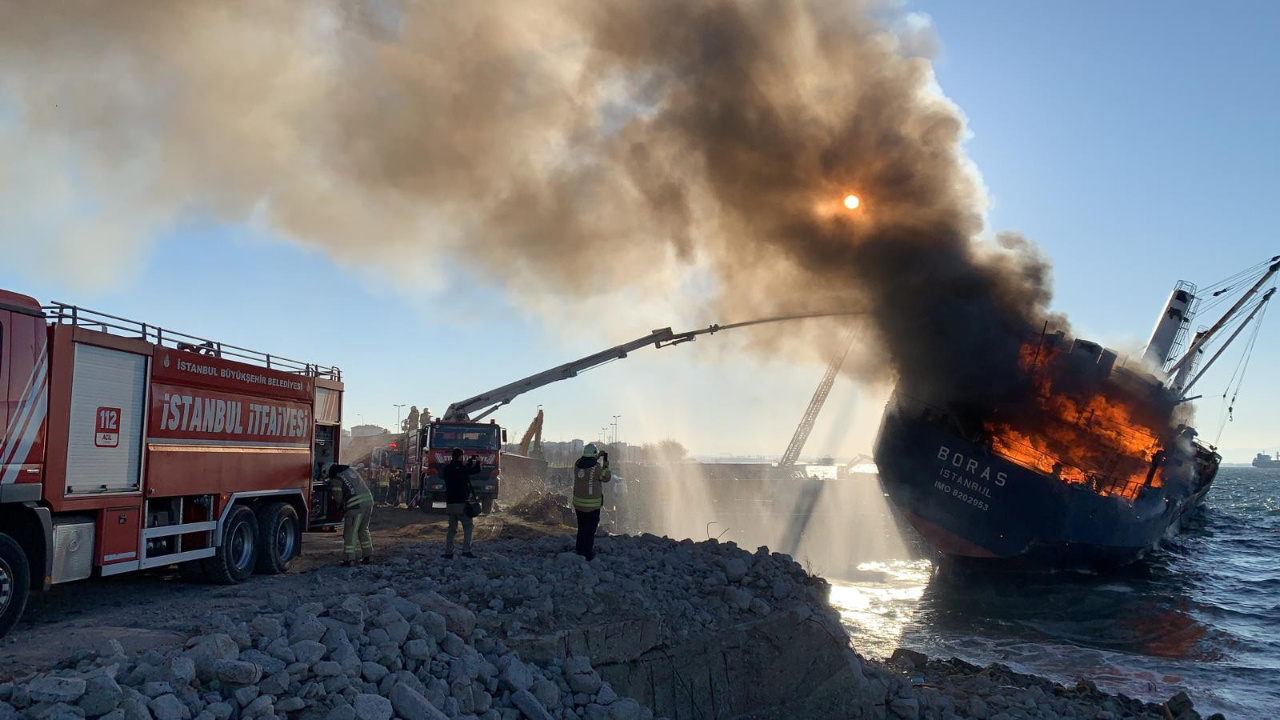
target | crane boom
[
  {"x": 1202, "y": 338},
  {"x": 484, "y": 404},
  {"x": 807, "y": 422}
]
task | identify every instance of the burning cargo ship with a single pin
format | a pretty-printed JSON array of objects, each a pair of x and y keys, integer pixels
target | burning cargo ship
[{"x": 1084, "y": 465}]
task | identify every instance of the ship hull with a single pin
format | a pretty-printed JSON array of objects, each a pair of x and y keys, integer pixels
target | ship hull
[{"x": 977, "y": 508}]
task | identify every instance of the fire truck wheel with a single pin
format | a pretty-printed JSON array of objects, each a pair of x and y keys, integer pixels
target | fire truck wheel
[
  {"x": 15, "y": 581},
  {"x": 239, "y": 550},
  {"x": 279, "y": 536}
]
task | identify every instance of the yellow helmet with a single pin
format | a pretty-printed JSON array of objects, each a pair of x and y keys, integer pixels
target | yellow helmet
[{"x": 590, "y": 451}]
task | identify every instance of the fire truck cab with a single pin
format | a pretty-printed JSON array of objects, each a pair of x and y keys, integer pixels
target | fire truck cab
[
  {"x": 127, "y": 446},
  {"x": 482, "y": 441}
]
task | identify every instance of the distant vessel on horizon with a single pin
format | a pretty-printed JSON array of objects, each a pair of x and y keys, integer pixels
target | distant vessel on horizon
[{"x": 1263, "y": 460}]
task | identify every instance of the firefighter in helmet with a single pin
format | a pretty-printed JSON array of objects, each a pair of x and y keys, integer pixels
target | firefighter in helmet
[
  {"x": 349, "y": 489},
  {"x": 590, "y": 473}
]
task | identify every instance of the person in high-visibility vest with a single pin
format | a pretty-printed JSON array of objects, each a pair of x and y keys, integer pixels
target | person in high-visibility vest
[
  {"x": 348, "y": 488},
  {"x": 590, "y": 473}
]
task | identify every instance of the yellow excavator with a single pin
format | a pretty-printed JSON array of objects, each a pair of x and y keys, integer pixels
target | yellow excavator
[{"x": 531, "y": 443}]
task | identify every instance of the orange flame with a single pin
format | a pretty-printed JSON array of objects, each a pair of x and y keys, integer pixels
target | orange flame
[{"x": 1092, "y": 440}]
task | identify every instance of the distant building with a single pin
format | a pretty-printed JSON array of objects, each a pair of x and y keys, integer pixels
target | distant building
[{"x": 360, "y": 431}]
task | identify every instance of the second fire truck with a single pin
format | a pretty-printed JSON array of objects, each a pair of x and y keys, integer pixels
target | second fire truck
[{"x": 127, "y": 446}]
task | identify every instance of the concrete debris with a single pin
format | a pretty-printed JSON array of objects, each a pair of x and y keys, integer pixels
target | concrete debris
[
  {"x": 545, "y": 507},
  {"x": 529, "y": 630}
]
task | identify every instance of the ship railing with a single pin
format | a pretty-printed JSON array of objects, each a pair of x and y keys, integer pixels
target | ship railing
[{"x": 63, "y": 313}]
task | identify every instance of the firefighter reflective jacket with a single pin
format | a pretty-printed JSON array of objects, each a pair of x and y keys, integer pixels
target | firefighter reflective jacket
[
  {"x": 349, "y": 486},
  {"x": 589, "y": 477}
]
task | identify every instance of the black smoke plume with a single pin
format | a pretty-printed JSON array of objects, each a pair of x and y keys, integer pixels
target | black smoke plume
[{"x": 560, "y": 148}]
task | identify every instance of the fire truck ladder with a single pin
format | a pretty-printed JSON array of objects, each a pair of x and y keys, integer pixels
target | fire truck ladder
[{"x": 792, "y": 454}]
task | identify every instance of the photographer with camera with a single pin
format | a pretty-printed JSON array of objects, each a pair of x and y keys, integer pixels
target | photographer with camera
[
  {"x": 590, "y": 474},
  {"x": 457, "y": 495}
]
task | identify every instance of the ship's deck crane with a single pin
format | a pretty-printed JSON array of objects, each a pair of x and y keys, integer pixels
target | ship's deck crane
[{"x": 482, "y": 405}]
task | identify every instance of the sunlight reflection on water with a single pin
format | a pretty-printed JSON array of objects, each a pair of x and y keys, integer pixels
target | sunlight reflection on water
[{"x": 878, "y": 602}]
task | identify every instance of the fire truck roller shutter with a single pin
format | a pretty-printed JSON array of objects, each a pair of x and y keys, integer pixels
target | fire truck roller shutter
[{"x": 108, "y": 402}]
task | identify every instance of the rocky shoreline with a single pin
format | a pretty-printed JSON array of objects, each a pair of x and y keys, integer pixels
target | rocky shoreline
[{"x": 653, "y": 628}]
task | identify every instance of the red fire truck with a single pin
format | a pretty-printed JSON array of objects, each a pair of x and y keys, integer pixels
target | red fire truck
[
  {"x": 482, "y": 441},
  {"x": 127, "y": 446}
]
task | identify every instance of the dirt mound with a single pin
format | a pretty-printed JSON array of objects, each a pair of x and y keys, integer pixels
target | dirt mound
[{"x": 548, "y": 508}]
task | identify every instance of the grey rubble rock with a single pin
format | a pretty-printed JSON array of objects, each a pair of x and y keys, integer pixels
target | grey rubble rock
[
  {"x": 737, "y": 597},
  {"x": 529, "y": 706},
  {"x": 515, "y": 675},
  {"x": 168, "y": 707},
  {"x": 909, "y": 659},
  {"x": 277, "y": 684},
  {"x": 582, "y": 678},
  {"x": 220, "y": 710},
  {"x": 156, "y": 689},
  {"x": 261, "y": 706},
  {"x": 373, "y": 672},
  {"x": 245, "y": 695},
  {"x": 625, "y": 709},
  {"x": 306, "y": 628},
  {"x": 454, "y": 645},
  {"x": 350, "y": 612},
  {"x": 268, "y": 627},
  {"x": 735, "y": 569},
  {"x": 411, "y": 705},
  {"x": 328, "y": 668},
  {"x": 102, "y": 695},
  {"x": 182, "y": 670},
  {"x": 270, "y": 665},
  {"x": 54, "y": 711},
  {"x": 207, "y": 650},
  {"x": 458, "y": 619},
  {"x": 342, "y": 711},
  {"x": 56, "y": 689},
  {"x": 373, "y": 707},
  {"x": 435, "y": 625},
  {"x": 418, "y": 650},
  {"x": 237, "y": 672},
  {"x": 547, "y": 692},
  {"x": 135, "y": 709},
  {"x": 308, "y": 651},
  {"x": 905, "y": 708}
]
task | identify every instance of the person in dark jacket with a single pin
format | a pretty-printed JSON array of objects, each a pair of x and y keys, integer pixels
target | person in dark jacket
[
  {"x": 353, "y": 494},
  {"x": 457, "y": 490}
]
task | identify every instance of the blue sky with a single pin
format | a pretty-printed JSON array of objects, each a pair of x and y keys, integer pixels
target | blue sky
[{"x": 1134, "y": 142}]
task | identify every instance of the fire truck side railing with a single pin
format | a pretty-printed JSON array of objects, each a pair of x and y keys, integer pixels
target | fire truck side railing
[{"x": 103, "y": 322}]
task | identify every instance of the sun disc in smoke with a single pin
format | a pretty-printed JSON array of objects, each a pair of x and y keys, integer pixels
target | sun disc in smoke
[{"x": 852, "y": 202}]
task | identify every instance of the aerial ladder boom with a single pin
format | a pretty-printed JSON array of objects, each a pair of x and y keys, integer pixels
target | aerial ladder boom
[
  {"x": 484, "y": 404},
  {"x": 807, "y": 422}
]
